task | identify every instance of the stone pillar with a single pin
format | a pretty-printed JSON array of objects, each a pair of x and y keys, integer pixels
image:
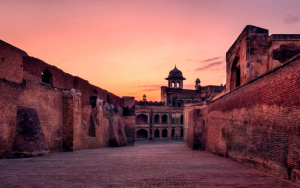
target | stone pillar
[{"x": 71, "y": 118}]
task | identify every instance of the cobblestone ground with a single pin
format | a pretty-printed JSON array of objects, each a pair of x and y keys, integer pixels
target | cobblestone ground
[{"x": 147, "y": 164}]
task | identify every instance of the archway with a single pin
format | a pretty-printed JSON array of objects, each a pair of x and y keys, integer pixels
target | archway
[
  {"x": 181, "y": 119},
  {"x": 156, "y": 133},
  {"x": 165, "y": 133},
  {"x": 142, "y": 133},
  {"x": 142, "y": 118},
  {"x": 156, "y": 118},
  {"x": 235, "y": 79},
  {"x": 173, "y": 132},
  {"x": 181, "y": 132},
  {"x": 165, "y": 119},
  {"x": 46, "y": 77}
]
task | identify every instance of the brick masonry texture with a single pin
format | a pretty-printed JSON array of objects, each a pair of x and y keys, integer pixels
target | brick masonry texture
[
  {"x": 66, "y": 117},
  {"x": 256, "y": 124},
  {"x": 147, "y": 164}
]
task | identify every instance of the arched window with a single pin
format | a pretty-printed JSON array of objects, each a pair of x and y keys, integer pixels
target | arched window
[
  {"x": 95, "y": 92},
  {"x": 165, "y": 119},
  {"x": 156, "y": 133},
  {"x": 142, "y": 118},
  {"x": 108, "y": 98},
  {"x": 181, "y": 132},
  {"x": 46, "y": 77},
  {"x": 178, "y": 84},
  {"x": 173, "y": 83},
  {"x": 156, "y": 118},
  {"x": 164, "y": 133},
  {"x": 181, "y": 119},
  {"x": 173, "y": 132},
  {"x": 142, "y": 133}
]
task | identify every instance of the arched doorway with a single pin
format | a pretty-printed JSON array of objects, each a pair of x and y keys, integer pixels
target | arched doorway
[
  {"x": 142, "y": 133},
  {"x": 181, "y": 132},
  {"x": 156, "y": 133},
  {"x": 173, "y": 132},
  {"x": 142, "y": 118},
  {"x": 181, "y": 119},
  {"x": 164, "y": 133},
  {"x": 156, "y": 118},
  {"x": 165, "y": 119}
]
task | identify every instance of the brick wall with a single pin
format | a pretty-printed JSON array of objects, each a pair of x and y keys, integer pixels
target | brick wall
[
  {"x": 259, "y": 124},
  {"x": 47, "y": 101},
  {"x": 34, "y": 67},
  {"x": 11, "y": 62}
]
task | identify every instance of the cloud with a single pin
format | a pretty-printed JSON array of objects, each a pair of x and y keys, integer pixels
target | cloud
[
  {"x": 289, "y": 19},
  {"x": 151, "y": 87},
  {"x": 211, "y": 59},
  {"x": 133, "y": 93},
  {"x": 211, "y": 66},
  {"x": 205, "y": 60}
]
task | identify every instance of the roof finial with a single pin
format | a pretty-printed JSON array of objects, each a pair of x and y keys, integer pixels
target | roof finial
[{"x": 175, "y": 65}]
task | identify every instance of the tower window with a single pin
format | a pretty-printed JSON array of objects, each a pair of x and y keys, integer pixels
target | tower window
[{"x": 46, "y": 77}]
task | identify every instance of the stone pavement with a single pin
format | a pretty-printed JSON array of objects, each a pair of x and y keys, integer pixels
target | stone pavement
[{"x": 147, "y": 164}]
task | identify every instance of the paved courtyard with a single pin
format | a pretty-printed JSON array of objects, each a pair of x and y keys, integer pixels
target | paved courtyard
[{"x": 147, "y": 164}]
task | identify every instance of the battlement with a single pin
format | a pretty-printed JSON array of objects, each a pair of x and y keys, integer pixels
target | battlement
[{"x": 150, "y": 103}]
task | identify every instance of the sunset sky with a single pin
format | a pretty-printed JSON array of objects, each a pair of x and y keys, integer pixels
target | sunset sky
[{"x": 128, "y": 47}]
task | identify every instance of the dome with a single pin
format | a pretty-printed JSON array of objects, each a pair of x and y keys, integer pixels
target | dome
[
  {"x": 175, "y": 73},
  {"x": 197, "y": 81}
]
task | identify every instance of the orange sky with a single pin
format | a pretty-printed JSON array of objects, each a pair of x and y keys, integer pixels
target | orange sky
[{"x": 128, "y": 47}]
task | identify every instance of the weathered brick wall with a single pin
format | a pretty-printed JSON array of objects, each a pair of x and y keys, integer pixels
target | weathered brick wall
[
  {"x": 282, "y": 47},
  {"x": 11, "y": 62},
  {"x": 259, "y": 124},
  {"x": 34, "y": 67},
  {"x": 45, "y": 99},
  {"x": 195, "y": 129},
  {"x": 129, "y": 122}
]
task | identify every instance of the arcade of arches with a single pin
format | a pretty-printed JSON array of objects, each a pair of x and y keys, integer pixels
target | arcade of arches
[{"x": 164, "y": 125}]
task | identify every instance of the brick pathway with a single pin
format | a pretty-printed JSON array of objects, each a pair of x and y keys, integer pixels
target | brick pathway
[{"x": 147, "y": 164}]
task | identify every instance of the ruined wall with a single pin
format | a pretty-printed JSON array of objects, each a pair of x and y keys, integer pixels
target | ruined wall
[
  {"x": 196, "y": 132},
  {"x": 45, "y": 99},
  {"x": 34, "y": 67},
  {"x": 11, "y": 62},
  {"x": 282, "y": 47},
  {"x": 258, "y": 124},
  {"x": 250, "y": 52}
]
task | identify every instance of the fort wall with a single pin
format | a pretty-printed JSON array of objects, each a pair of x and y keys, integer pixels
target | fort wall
[
  {"x": 258, "y": 123},
  {"x": 47, "y": 101},
  {"x": 66, "y": 113}
]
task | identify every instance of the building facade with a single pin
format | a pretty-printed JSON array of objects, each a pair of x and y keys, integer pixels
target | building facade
[{"x": 164, "y": 120}]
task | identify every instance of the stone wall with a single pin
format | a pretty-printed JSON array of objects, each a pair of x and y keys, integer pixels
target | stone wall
[{"x": 258, "y": 124}]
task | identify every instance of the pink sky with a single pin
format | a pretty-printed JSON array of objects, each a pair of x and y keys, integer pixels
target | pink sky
[{"x": 128, "y": 47}]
